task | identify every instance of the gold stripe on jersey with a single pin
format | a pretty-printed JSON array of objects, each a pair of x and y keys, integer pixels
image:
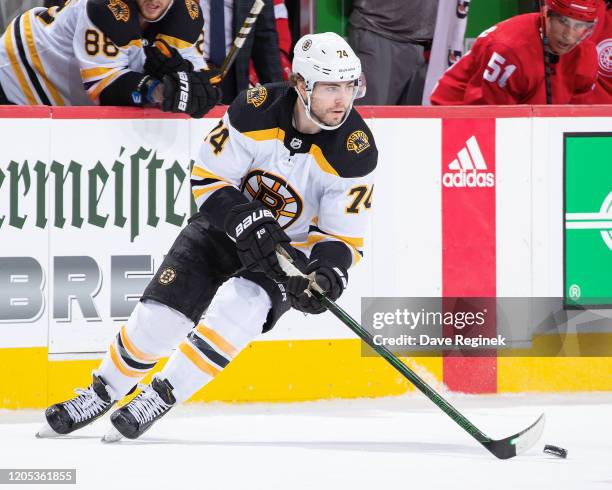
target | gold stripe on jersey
[
  {"x": 95, "y": 91},
  {"x": 354, "y": 243},
  {"x": 175, "y": 42},
  {"x": 266, "y": 134},
  {"x": 205, "y": 174},
  {"x": 10, "y": 49},
  {"x": 190, "y": 352},
  {"x": 200, "y": 192},
  {"x": 322, "y": 162},
  {"x": 133, "y": 43},
  {"x": 94, "y": 73},
  {"x": 37, "y": 62}
]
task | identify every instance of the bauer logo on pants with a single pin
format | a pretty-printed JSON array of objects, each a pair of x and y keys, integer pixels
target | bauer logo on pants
[{"x": 167, "y": 276}]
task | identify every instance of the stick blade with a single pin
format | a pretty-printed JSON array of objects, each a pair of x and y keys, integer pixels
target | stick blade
[{"x": 518, "y": 443}]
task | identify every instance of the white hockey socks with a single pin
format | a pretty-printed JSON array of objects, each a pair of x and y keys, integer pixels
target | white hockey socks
[
  {"x": 234, "y": 318},
  {"x": 151, "y": 332}
]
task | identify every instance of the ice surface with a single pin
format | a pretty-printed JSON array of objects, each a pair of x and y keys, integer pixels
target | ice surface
[{"x": 403, "y": 442}]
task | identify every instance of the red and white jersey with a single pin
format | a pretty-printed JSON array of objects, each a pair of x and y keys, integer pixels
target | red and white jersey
[
  {"x": 506, "y": 66},
  {"x": 602, "y": 38},
  {"x": 69, "y": 55}
]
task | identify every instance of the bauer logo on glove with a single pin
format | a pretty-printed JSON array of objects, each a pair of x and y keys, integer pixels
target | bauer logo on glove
[
  {"x": 252, "y": 218},
  {"x": 184, "y": 96}
]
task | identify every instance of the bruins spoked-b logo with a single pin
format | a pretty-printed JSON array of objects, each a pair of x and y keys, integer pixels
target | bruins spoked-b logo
[
  {"x": 167, "y": 276},
  {"x": 357, "y": 141},
  {"x": 193, "y": 8},
  {"x": 306, "y": 45},
  {"x": 274, "y": 192},
  {"x": 119, "y": 9},
  {"x": 257, "y": 96}
]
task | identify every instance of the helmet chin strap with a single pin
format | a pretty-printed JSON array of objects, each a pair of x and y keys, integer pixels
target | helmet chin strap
[{"x": 315, "y": 119}]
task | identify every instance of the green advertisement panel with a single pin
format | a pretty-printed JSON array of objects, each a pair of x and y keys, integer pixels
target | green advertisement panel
[{"x": 588, "y": 220}]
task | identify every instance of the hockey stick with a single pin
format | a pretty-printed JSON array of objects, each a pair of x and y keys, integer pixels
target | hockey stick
[
  {"x": 243, "y": 33},
  {"x": 501, "y": 448}
]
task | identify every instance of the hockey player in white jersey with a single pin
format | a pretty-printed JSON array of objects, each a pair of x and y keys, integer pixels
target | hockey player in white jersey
[
  {"x": 288, "y": 164},
  {"x": 101, "y": 52}
]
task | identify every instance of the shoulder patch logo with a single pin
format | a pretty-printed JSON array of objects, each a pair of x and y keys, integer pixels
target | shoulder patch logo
[
  {"x": 357, "y": 141},
  {"x": 119, "y": 9},
  {"x": 257, "y": 96},
  {"x": 193, "y": 8}
]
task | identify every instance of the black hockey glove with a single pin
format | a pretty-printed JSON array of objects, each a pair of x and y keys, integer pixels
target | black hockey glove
[
  {"x": 190, "y": 93},
  {"x": 162, "y": 59},
  {"x": 331, "y": 278},
  {"x": 256, "y": 233}
]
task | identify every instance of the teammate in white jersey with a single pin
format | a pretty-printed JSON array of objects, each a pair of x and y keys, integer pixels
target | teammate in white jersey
[
  {"x": 101, "y": 52},
  {"x": 288, "y": 164}
]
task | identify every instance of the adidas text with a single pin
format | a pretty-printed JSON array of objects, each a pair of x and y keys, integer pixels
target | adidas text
[{"x": 471, "y": 178}]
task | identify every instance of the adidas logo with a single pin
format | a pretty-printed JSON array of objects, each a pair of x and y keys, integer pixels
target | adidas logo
[{"x": 469, "y": 168}]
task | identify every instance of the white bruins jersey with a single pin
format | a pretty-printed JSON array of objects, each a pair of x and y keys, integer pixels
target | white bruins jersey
[
  {"x": 69, "y": 55},
  {"x": 319, "y": 186}
]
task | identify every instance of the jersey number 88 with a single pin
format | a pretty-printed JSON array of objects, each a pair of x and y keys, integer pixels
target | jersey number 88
[{"x": 95, "y": 42}]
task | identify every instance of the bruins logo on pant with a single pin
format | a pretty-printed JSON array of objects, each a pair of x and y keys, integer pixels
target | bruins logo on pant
[
  {"x": 119, "y": 9},
  {"x": 357, "y": 141},
  {"x": 167, "y": 276},
  {"x": 192, "y": 8},
  {"x": 275, "y": 194},
  {"x": 257, "y": 96}
]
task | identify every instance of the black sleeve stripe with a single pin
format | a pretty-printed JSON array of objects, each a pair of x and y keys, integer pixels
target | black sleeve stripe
[
  {"x": 200, "y": 182},
  {"x": 24, "y": 59},
  {"x": 119, "y": 92}
]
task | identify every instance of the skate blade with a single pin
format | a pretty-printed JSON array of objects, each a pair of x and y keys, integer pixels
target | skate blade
[
  {"x": 113, "y": 435},
  {"x": 46, "y": 432}
]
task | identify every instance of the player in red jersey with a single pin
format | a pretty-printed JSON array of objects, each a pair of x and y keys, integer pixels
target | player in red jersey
[
  {"x": 602, "y": 38},
  {"x": 506, "y": 65}
]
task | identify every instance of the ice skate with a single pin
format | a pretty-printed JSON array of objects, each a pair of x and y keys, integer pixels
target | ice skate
[
  {"x": 89, "y": 404},
  {"x": 135, "y": 418}
]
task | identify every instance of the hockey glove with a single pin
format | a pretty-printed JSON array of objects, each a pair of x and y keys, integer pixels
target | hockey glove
[
  {"x": 190, "y": 93},
  {"x": 256, "y": 233},
  {"x": 162, "y": 59},
  {"x": 331, "y": 278}
]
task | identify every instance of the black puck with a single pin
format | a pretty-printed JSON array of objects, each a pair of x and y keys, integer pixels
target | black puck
[{"x": 555, "y": 450}]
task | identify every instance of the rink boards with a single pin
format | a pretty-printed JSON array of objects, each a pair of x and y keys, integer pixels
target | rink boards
[{"x": 90, "y": 200}]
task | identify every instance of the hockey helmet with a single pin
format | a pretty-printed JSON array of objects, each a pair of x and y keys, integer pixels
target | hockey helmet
[
  {"x": 326, "y": 57},
  {"x": 584, "y": 10}
]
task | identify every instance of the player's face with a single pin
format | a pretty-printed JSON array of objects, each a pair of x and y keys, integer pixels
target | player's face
[
  {"x": 153, "y": 9},
  {"x": 565, "y": 33},
  {"x": 330, "y": 101}
]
